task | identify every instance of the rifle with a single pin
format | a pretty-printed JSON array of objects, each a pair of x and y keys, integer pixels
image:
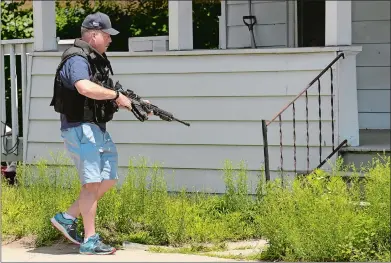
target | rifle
[{"x": 141, "y": 109}]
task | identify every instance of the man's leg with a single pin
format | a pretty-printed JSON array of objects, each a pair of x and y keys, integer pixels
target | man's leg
[
  {"x": 104, "y": 186},
  {"x": 88, "y": 201},
  {"x": 87, "y": 204},
  {"x": 85, "y": 144},
  {"x": 65, "y": 223},
  {"x": 107, "y": 165}
]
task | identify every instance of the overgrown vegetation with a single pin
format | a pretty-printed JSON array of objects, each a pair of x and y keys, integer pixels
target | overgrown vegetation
[{"x": 316, "y": 218}]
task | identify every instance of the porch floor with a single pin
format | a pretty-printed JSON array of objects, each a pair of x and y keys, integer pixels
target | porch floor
[
  {"x": 372, "y": 141},
  {"x": 372, "y": 144}
]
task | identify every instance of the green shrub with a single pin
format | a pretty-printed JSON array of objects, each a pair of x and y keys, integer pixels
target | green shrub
[
  {"x": 141, "y": 210},
  {"x": 139, "y": 19},
  {"x": 320, "y": 218},
  {"x": 16, "y": 23},
  {"x": 27, "y": 208},
  {"x": 316, "y": 218}
]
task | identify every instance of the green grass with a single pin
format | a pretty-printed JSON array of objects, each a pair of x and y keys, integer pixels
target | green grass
[{"x": 313, "y": 218}]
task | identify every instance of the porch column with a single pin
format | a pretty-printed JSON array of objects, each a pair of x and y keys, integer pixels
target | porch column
[
  {"x": 180, "y": 24},
  {"x": 338, "y": 23},
  {"x": 339, "y": 33},
  {"x": 44, "y": 25},
  {"x": 348, "y": 125}
]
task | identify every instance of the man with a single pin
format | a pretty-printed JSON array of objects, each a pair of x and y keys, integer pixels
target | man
[{"x": 85, "y": 107}]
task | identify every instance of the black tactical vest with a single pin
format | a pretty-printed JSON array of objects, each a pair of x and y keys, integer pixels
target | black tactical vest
[{"x": 76, "y": 107}]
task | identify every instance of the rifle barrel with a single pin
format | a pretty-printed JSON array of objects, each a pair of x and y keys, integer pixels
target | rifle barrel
[
  {"x": 183, "y": 122},
  {"x": 130, "y": 94}
]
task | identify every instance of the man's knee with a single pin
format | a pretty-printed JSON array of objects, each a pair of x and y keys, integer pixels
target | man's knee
[
  {"x": 92, "y": 187},
  {"x": 105, "y": 186},
  {"x": 109, "y": 183}
]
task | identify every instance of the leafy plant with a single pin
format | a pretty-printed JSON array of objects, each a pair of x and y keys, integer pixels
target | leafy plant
[
  {"x": 16, "y": 23},
  {"x": 314, "y": 218}
]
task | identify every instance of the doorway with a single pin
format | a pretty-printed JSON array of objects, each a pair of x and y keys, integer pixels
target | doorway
[{"x": 311, "y": 15}]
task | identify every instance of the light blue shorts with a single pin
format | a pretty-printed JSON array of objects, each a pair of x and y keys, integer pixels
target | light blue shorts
[{"x": 93, "y": 152}]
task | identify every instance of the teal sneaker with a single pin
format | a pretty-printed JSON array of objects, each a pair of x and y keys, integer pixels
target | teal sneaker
[
  {"x": 93, "y": 246},
  {"x": 67, "y": 227}
]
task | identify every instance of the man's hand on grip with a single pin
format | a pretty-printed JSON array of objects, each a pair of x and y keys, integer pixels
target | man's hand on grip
[
  {"x": 148, "y": 102},
  {"x": 124, "y": 102}
]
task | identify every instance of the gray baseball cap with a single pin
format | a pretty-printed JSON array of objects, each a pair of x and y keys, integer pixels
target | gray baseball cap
[{"x": 99, "y": 21}]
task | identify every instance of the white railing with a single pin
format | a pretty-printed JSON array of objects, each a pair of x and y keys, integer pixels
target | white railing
[{"x": 12, "y": 49}]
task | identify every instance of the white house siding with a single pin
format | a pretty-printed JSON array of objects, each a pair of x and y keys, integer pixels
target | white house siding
[
  {"x": 371, "y": 30},
  {"x": 270, "y": 29},
  {"x": 223, "y": 94}
]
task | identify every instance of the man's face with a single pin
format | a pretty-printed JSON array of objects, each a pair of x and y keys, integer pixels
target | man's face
[{"x": 100, "y": 41}]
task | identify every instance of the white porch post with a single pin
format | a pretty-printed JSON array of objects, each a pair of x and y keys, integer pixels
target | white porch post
[
  {"x": 348, "y": 125},
  {"x": 339, "y": 33},
  {"x": 180, "y": 20},
  {"x": 223, "y": 25},
  {"x": 338, "y": 23},
  {"x": 44, "y": 25}
]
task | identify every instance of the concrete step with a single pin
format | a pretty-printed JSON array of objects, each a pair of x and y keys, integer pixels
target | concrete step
[
  {"x": 373, "y": 143},
  {"x": 360, "y": 158}
]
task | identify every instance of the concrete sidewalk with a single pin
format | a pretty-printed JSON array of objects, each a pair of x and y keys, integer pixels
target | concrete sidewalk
[{"x": 69, "y": 253}]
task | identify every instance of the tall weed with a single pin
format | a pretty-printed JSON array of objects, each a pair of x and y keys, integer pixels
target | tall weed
[
  {"x": 320, "y": 217},
  {"x": 40, "y": 193}
]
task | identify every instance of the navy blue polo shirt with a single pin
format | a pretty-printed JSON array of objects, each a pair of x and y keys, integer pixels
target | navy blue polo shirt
[{"x": 74, "y": 69}]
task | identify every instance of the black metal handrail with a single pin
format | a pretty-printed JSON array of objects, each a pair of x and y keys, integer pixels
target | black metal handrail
[{"x": 278, "y": 115}]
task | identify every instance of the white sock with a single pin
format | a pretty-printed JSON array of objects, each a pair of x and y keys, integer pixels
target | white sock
[
  {"x": 68, "y": 216},
  {"x": 86, "y": 238}
]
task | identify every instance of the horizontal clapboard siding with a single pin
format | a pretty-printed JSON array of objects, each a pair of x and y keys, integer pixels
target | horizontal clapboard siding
[
  {"x": 366, "y": 99},
  {"x": 371, "y": 30},
  {"x": 224, "y": 97},
  {"x": 382, "y": 120},
  {"x": 261, "y": 61},
  {"x": 213, "y": 108},
  {"x": 252, "y": 84},
  {"x": 201, "y": 133},
  {"x": 196, "y": 156},
  {"x": 270, "y": 29}
]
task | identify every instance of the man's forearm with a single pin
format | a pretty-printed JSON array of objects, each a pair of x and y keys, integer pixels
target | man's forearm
[{"x": 94, "y": 91}]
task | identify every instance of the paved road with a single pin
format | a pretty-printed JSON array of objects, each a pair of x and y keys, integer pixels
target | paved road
[{"x": 69, "y": 253}]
